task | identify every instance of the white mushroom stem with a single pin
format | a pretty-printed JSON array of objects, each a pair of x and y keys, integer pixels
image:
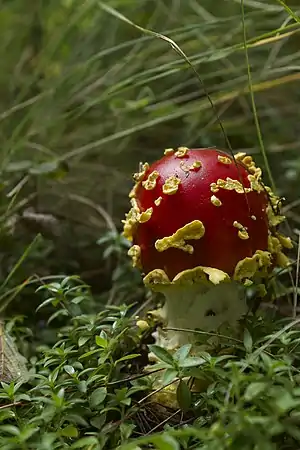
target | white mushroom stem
[{"x": 193, "y": 303}]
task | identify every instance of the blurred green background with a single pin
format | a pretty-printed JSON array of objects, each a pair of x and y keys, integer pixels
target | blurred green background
[{"x": 84, "y": 97}]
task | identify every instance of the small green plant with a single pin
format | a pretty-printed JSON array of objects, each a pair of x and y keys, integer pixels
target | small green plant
[
  {"x": 90, "y": 390},
  {"x": 74, "y": 392}
]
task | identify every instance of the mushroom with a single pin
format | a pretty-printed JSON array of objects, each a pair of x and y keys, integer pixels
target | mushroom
[{"x": 203, "y": 226}]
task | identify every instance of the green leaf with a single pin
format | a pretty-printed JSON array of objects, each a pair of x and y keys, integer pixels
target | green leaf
[
  {"x": 55, "y": 168},
  {"x": 126, "y": 430},
  {"x": 192, "y": 362},
  {"x": 86, "y": 355},
  {"x": 284, "y": 401},
  {"x": 169, "y": 375},
  {"x": 78, "y": 300},
  {"x": 182, "y": 353},
  {"x": 101, "y": 342},
  {"x": 98, "y": 397},
  {"x": 162, "y": 354},
  {"x": 6, "y": 414},
  {"x": 127, "y": 357},
  {"x": 58, "y": 313},
  {"x": 69, "y": 369},
  {"x": 248, "y": 343},
  {"x": 184, "y": 396},
  {"x": 10, "y": 429},
  {"x": 294, "y": 431},
  {"x": 165, "y": 442},
  {"x": 254, "y": 389},
  {"x": 69, "y": 431},
  {"x": 18, "y": 166},
  {"x": 98, "y": 421},
  {"x": 82, "y": 387},
  {"x": 83, "y": 340},
  {"x": 85, "y": 442}
]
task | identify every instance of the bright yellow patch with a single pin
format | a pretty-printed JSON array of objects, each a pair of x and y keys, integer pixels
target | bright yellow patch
[
  {"x": 135, "y": 253},
  {"x": 145, "y": 216},
  {"x": 196, "y": 165},
  {"x": 158, "y": 201},
  {"x": 215, "y": 200},
  {"x": 193, "y": 230},
  {"x": 133, "y": 191},
  {"x": 214, "y": 188},
  {"x": 158, "y": 281},
  {"x": 255, "y": 172},
  {"x": 133, "y": 218},
  {"x": 171, "y": 185},
  {"x": 242, "y": 233},
  {"x": 230, "y": 185},
  {"x": 150, "y": 183},
  {"x": 258, "y": 264},
  {"x": 138, "y": 176},
  {"x": 169, "y": 151},
  {"x": 285, "y": 241},
  {"x": 181, "y": 152},
  {"x": 255, "y": 182},
  {"x": 224, "y": 159}
]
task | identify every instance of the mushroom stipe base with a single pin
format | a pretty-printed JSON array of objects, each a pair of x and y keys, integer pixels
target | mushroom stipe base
[{"x": 202, "y": 298}]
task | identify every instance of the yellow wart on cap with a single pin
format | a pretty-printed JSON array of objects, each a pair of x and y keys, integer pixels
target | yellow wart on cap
[
  {"x": 138, "y": 176},
  {"x": 133, "y": 218},
  {"x": 158, "y": 201},
  {"x": 248, "y": 267},
  {"x": 285, "y": 241},
  {"x": 196, "y": 165},
  {"x": 181, "y": 152},
  {"x": 171, "y": 185},
  {"x": 132, "y": 193},
  {"x": 158, "y": 280},
  {"x": 255, "y": 172},
  {"x": 242, "y": 233},
  {"x": 190, "y": 231},
  {"x": 169, "y": 151},
  {"x": 145, "y": 215},
  {"x": 255, "y": 183},
  {"x": 239, "y": 156},
  {"x": 150, "y": 183},
  {"x": 214, "y": 188},
  {"x": 275, "y": 247},
  {"x": 224, "y": 159},
  {"x": 215, "y": 200},
  {"x": 248, "y": 162},
  {"x": 135, "y": 253},
  {"x": 274, "y": 216},
  {"x": 231, "y": 185}
]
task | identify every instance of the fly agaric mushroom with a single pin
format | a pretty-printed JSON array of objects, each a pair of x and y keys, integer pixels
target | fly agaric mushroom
[{"x": 202, "y": 225}]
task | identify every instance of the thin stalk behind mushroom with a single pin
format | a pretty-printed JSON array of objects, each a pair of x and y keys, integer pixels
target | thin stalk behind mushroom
[{"x": 202, "y": 226}]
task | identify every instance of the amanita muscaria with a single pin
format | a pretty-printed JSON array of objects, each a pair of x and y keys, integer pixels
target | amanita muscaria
[{"x": 202, "y": 225}]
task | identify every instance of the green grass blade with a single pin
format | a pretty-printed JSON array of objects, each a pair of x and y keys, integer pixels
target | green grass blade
[{"x": 256, "y": 119}]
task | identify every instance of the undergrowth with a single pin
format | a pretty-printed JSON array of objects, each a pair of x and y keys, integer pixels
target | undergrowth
[
  {"x": 88, "y": 387},
  {"x": 87, "y": 92}
]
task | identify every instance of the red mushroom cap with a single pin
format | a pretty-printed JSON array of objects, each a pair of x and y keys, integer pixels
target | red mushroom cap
[{"x": 216, "y": 202}]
